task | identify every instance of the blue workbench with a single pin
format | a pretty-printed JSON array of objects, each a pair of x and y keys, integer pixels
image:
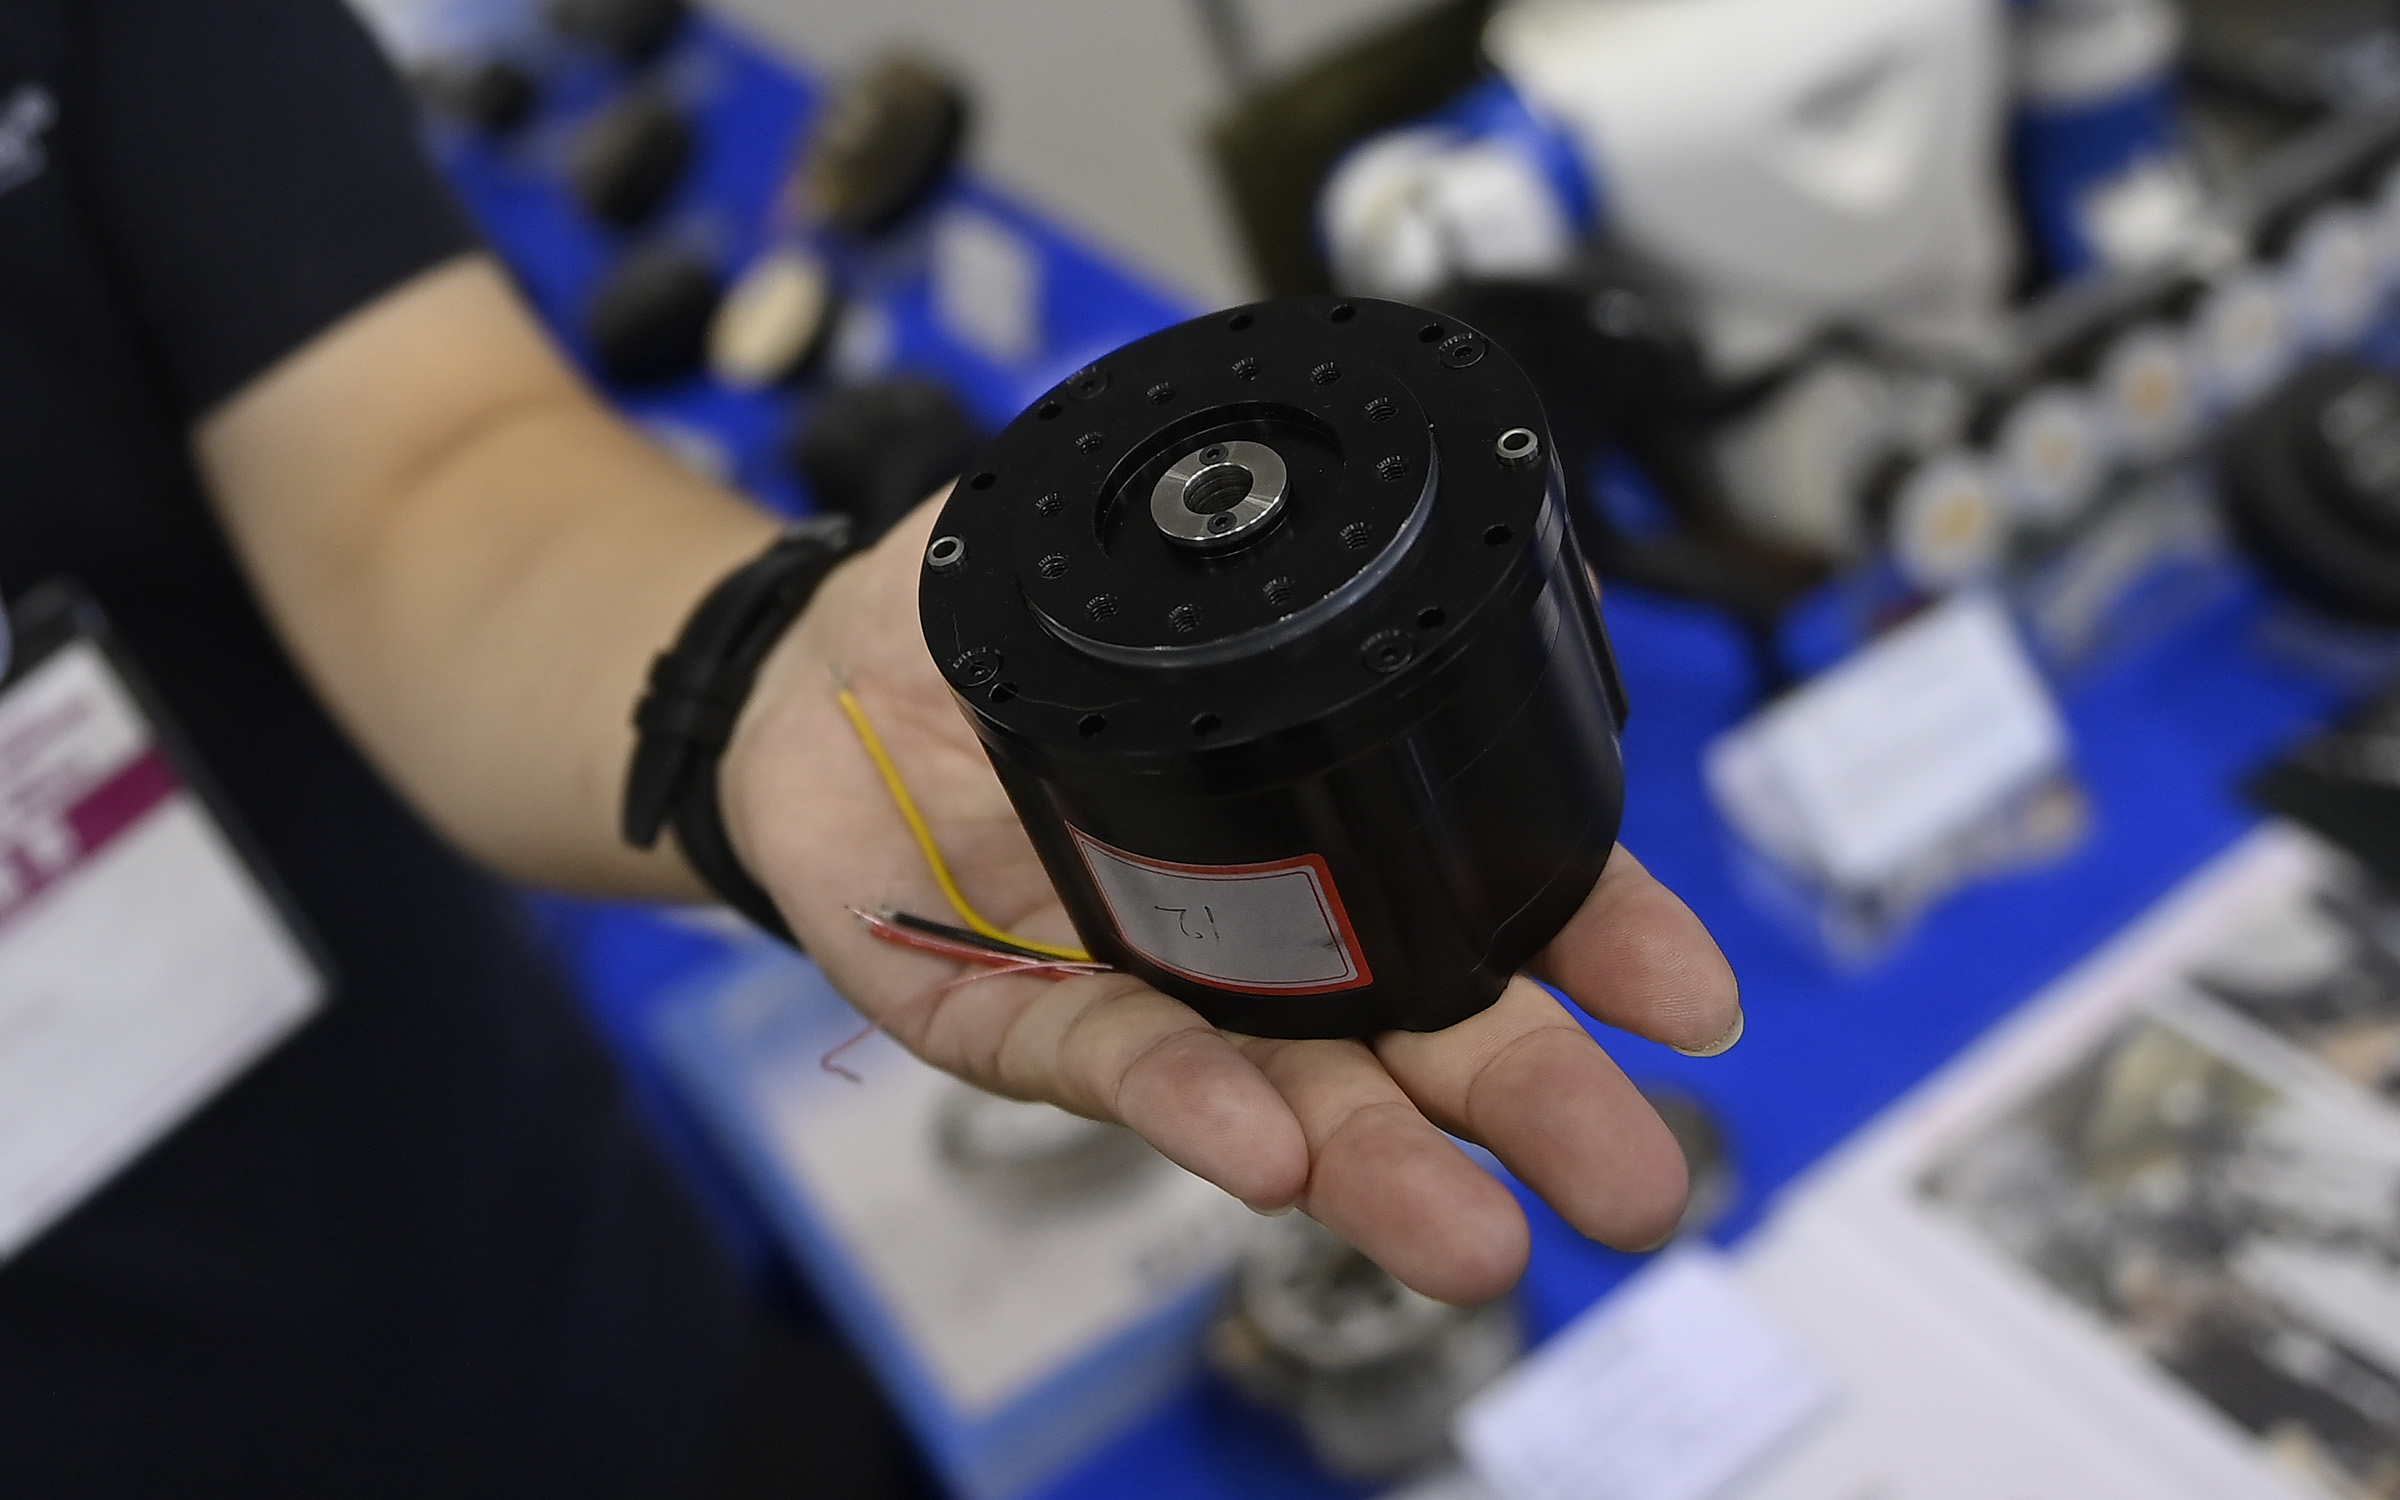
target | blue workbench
[{"x": 2161, "y": 734}]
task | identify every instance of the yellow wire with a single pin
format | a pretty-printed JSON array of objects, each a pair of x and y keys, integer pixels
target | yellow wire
[{"x": 933, "y": 856}]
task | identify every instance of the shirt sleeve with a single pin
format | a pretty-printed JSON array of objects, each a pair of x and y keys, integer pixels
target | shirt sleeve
[{"x": 255, "y": 170}]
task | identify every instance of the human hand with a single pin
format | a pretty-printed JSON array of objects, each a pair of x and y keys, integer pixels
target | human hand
[{"x": 1349, "y": 1131}]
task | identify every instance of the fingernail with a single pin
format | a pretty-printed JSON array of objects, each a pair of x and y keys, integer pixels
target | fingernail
[
  {"x": 1721, "y": 1045},
  {"x": 1269, "y": 1213},
  {"x": 1661, "y": 1243}
]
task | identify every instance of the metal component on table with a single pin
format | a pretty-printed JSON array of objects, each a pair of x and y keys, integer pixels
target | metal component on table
[
  {"x": 1035, "y": 1156},
  {"x": 1707, "y": 1158},
  {"x": 1371, "y": 1371},
  {"x": 1309, "y": 711},
  {"x": 1219, "y": 495}
]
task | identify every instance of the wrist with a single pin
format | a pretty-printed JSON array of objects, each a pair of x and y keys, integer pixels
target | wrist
[{"x": 697, "y": 695}]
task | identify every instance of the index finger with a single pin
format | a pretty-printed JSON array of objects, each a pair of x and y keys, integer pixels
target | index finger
[{"x": 1634, "y": 957}]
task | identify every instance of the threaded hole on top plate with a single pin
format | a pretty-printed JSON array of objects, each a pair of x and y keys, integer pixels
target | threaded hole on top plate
[{"x": 1090, "y": 725}]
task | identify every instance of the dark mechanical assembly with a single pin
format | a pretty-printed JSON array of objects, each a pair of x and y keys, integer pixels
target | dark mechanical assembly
[{"x": 1275, "y": 630}]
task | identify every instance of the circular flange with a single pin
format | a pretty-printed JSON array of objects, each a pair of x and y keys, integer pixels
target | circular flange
[{"x": 1220, "y": 495}]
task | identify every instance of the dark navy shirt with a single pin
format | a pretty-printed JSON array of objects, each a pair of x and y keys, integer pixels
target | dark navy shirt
[{"x": 420, "y": 1250}]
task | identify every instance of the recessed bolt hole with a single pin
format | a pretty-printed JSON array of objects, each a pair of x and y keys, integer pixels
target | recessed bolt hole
[
  {"x": 1278, "y": 592},
  {"x": 977, "y": 667},
  {"x": 1052, "y": 565},
  {"x": 1495, "y": 535},
  {"x": 1357, "y": 534},
  {"x": 1160, "y": 394},
  {"x": 1344, "y": 313},
  {"x": 1382, "y": 409},
  {"x": 1387, "y": 651},
  {"x": 1391, "y": 469},
  {"x": 1206, "y": 723},
  {"x": 1238, "y": 322},
  {"x": 946, "y": 554},
  {"x": 1089, "y": 442},
  {"x": 1432, "y": 618},
  {"x": 1219, "y": 522},
  {"x": 1246, "y": 367},
  {"x": 1048, "y": 504},
  {"x": 1047, "y": 410},
  {"x": 1326, "y": 373},
  {"x": 983, "y": 481},
  {"x": 1091, "y": 724},
  {"x": 1185, "y": 618},
  {"x": 1087, "y": 382},
  {"x": 1101, "y": 606},
  {"x": 1212, "y": 454},
  {"x": 1430, "y": 332},
  {"x": 1461, "y": 350}
]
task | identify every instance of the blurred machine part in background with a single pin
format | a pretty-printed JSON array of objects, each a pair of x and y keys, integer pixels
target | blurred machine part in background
[{"x": 1371, "y": 1371}]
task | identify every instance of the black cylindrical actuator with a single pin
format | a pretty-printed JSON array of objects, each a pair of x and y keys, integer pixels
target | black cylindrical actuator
[{"x": 1274, "y": 628}]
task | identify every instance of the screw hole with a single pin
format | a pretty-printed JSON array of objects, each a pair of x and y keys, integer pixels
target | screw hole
[
  {"x": 1494, "y": 536},
  {"x": 1344, "y": 313},
  {"x": 946, "y": 553},
  {"x": 1101, "y": 606},
  {"x": 1357, "y": 534},
  {"x": 1238, "y": 322},
  {"x": 1431, "y": 618},
  {"x": 1048, "y": 504},
  {"x": 983, "y": 481},
  {"x": 1382, "y": 409},
  {"x": 1052, "y": 565},
  {"x": 1002, "y": 691},
  {"x": 1205, "y": 723},
  {"x": 1090, "y": 725},
  {"x": 1047, "y": 410},
  {"x": 1430, "y": 332},
  {"x": 1278, "y": 592},
  {"x": 1161, "y": 393}
]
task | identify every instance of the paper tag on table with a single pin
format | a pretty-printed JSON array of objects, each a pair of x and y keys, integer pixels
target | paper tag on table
[
  {"x": 1877, "y": 764},
  {"x": 1670, "y": 1389}
]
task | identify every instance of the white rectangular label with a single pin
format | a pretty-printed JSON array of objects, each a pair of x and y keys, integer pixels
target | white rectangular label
[
  {"x": 1273, "y": 929},
  {"x": 141, "y": 967},
  {"x": 1668, "y": 1390},
  {"x": 1905, "y": 746}
]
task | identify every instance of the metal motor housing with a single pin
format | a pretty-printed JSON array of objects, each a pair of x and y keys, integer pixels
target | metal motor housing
[{"x": 1273, "y": 627}]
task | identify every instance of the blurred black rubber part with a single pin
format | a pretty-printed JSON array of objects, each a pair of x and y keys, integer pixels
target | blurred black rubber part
[
  {"x": 628, "y": 160},
  {"x": 872, "y": 451},
  {"x": 2305, "y": 503},
  {"x": 634, "y": 30},
  {"x": 648, "y": 319}
]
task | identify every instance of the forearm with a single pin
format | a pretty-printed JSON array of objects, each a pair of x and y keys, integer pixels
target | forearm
[{"x": 474, "y": 563}]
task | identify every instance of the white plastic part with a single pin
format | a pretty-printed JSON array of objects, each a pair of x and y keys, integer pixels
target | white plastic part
[
  {"x": 2242, "y": 338},
  {"x": 2052, "y": 452},
  {"x": 2144, "y": 214},
  {"x": 1800, "y": 165},
  {"x": 1404, "y": 214},
  {"x": 2334, "y": 275},
  {"x": 773, "y": 315},
  {"x": 1794, "y": 468},
  {"x": 2071, "y": 52},
  {"x": 1947, "y": 524},
  {"x": 2149, "y": 396}
]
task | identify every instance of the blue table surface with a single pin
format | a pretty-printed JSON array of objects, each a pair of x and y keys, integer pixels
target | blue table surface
[{"x": 2161, "y": 735}]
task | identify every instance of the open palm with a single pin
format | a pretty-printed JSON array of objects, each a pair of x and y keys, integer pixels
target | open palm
[{"x": 1350, "y": 1131}]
